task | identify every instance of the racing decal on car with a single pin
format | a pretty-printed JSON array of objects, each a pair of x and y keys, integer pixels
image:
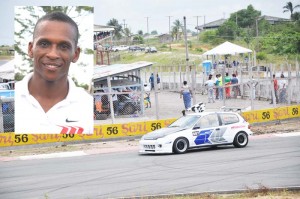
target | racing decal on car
[
  {"x": 196, "y": 133},
  {"x": 210, "y": 136}
]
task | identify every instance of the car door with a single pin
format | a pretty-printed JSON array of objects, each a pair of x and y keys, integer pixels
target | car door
[
  {"x": 207, "y": 131},
  {"x": 230, "y": 124}
]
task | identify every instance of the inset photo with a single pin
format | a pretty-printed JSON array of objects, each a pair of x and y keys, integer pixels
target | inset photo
[{"x": 53, "y": 70}]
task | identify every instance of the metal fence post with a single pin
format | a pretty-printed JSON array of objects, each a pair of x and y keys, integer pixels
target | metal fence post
[{"x": 1, "y": 117}]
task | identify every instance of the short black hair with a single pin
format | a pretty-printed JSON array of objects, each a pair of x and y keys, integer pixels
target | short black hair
[{"x": 61, "y": 17}]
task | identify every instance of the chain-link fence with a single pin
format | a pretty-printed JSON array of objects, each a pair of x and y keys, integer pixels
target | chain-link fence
[
  {"x": 7, "y": 117},
  {"x": 254, "y": 89},
  {"x": 122, "y": 101}
]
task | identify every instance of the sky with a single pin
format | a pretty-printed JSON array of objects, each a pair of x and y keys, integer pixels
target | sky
[{"x": 147, "y": 14}]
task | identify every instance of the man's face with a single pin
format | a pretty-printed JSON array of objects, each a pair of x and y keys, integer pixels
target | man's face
[{"x": 53, "y": 49}]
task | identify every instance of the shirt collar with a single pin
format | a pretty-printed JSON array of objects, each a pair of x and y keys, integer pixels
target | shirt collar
[{"x": 24, "y": 90}]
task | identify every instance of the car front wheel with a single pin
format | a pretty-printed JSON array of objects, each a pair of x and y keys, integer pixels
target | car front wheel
[
  {"x": 180, "y": 145},
  {"x": 240, "y": 140}
]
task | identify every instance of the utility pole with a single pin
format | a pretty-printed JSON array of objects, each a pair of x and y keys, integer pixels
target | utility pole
[
  {"x": 203, "y": 22},
  {"x": 197, "y": 27},
  {"x": 186, "y": 50},
  {"x": 124, "y": 23},
  {"x": 170, "y": 30},
  {"x": 147, "y": 30}
]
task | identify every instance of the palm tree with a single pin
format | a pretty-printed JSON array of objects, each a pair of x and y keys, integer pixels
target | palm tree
[
  {"x": 118, "y": 27},
  {"x": 290, "y": 8},
  {"x": 177, "y": 29}
]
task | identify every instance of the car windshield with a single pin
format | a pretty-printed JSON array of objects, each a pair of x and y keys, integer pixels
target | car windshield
[{"x": 186, "y": 121}]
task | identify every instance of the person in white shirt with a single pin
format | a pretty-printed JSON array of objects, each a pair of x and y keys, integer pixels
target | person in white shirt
[
  {"x": 282, "y": 85},
  {"x": 47, "y": 100},
  {"x": 186, "y": 94},
  {"x": 210, "y": 86}
]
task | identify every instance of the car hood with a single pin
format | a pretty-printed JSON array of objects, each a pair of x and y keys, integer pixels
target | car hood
[{"x": 162, "y": 133}]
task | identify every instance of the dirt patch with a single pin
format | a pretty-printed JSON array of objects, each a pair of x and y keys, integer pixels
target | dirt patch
[{"x": 286, "y": 126}]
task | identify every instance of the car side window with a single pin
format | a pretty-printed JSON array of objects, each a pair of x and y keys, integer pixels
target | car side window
[
  {"x": 229, "y": 118},
  {"x": 208, "y": 121}
]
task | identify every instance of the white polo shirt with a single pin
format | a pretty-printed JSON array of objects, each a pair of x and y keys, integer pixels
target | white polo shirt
[{"x": 73, "y": 115}]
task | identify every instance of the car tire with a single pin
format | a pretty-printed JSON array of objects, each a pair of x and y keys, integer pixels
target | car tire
[
  {"x": 240, "y": 140},
  {"x": 128, "y": 109},
  {"x": 101, "y": 116},
  {"x": 180, "y": 145}
]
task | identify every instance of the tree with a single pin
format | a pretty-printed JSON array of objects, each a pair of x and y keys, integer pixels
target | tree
[
  {"x": 290, "y": 8},
  {"x": 138, "y": 39},
  {"x": 154, "y": 32},
  {"x": 127, "y": 33},
  {"x": 296, "y": 16},
  {"x": 140, "y": 32},
  {"x": 229, "y": 30},
  {"x": 118, "y": 28},
  {"x": 177, "y": 29},
  {"x": 245, "y": 18}
]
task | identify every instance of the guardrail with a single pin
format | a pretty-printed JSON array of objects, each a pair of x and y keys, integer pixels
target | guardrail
[{"x": 136, "y": 128}]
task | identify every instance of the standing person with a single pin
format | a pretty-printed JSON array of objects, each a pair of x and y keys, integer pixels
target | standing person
[
  {"x": 234, "y": 80},
  {"x": 210, "y": 86},
  {"x": 253, "y": 88},
  {"x": 220, "y": 84},
  {"x": 115, "y": 102},
  {"x": 47, "y": 100},
  {"x": 151, "y": 80},
  {"x": 158, "y": 81},
  {"x": 186, "y": 93},
  {"x": 275, "y": 84},
  {"x": 217, "y": 86},
  {"x": 282, "y": 84},
  {"x": 227, "y": 84}
]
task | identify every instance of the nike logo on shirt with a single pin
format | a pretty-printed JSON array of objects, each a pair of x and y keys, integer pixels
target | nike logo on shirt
[{"x": 67, "y": 120}]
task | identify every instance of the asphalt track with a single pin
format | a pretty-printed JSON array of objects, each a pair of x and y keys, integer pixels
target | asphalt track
[{"x": 268, "y": 160}]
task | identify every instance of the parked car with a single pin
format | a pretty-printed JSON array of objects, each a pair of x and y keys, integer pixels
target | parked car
[
  {"x": 136, "y": 48},
  {"x": 5, "y": 86},
  {"x": 119, "y": 48},
  {"x": 127, "y": 106},
  {"x": 205, "y": 129},
  {"x": 150, "y": 49}
]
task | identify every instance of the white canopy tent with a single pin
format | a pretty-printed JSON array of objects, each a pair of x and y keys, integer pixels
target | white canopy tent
[{"x": 227, "y": 48}]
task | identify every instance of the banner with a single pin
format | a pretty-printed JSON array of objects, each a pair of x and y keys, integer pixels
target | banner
[
  {"x": 136, "y": 128},
  {"x": 100, "y": 132}
]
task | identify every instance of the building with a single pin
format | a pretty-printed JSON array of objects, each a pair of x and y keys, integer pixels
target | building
[
  {"x": 211, "y": 25},
  {"x": 273, "y": 20},
  {"x": 165, "y": 38},
  {"x": 216, "y": 24}
]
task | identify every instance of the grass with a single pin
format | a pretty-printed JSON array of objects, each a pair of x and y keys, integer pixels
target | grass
[
  {"x": 177, "y": 54},
  {"x": 261, "y": 193}
]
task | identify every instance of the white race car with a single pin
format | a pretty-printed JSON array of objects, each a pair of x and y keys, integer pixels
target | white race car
[{"x": 197, "y": 130}]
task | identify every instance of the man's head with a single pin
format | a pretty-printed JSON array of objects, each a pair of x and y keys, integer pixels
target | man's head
[
  {"x": 60, "y": 17},
  {"x": 54, "y": 46}
]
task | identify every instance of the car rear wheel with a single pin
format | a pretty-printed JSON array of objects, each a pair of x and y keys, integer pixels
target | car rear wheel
[
  {"x": 180, "y": 145},
  {"x": 240, "y": 140},
  {"x": 129, "y": 109}
]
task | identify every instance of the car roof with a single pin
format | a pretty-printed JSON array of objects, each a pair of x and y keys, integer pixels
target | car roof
[{"x": 210, "y": 112}]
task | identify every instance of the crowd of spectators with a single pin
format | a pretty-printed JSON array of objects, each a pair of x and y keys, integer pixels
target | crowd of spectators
[{"x": 101, "y": 35}]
